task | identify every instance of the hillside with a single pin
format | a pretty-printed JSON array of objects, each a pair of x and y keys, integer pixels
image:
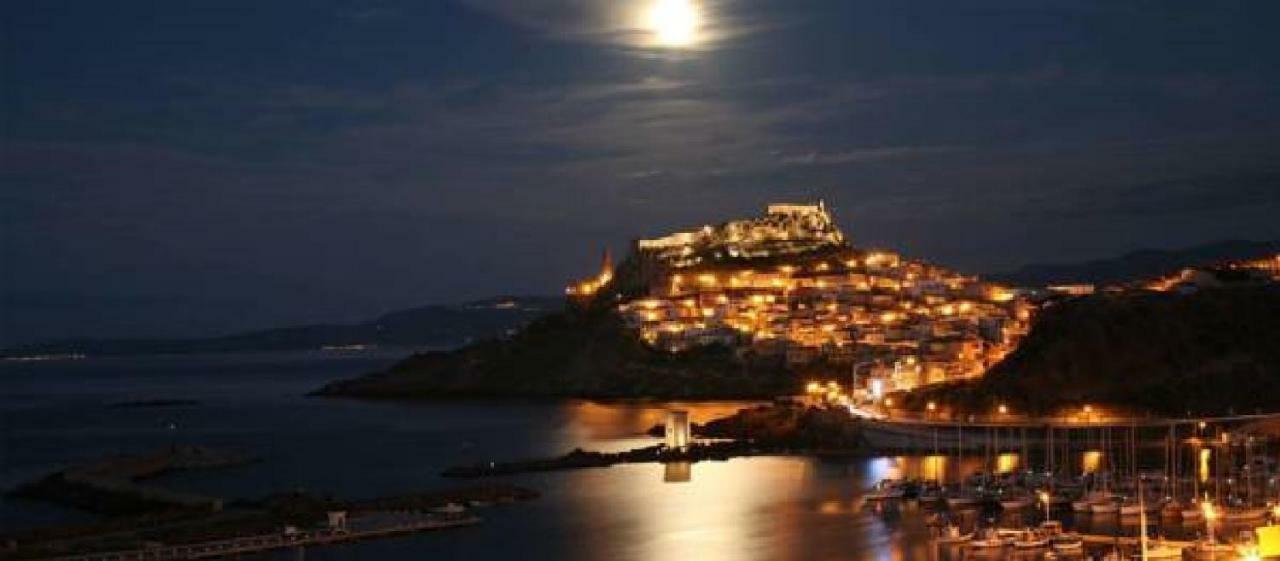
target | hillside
[
  {"x": 743, "y": 309},
  {"x": 573, "y": 354},
  {"x": 1136, "y": 265},
  {"x": 425, "y": 325},
  {"x": 1210, "y": 352}
]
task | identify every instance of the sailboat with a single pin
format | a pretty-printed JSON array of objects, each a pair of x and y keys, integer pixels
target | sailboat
[{"x": 1146, "y": 550}]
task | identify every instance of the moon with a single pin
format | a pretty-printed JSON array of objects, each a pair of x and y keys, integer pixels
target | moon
[{"x": 674, "y": 23}]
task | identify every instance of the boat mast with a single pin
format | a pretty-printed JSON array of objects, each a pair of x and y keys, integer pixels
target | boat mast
[{"x": 1142, "y": 521}]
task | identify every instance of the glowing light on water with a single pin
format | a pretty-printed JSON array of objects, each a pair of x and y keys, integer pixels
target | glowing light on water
[
  {"x": 1007, "y": 462},
  {"x": 1091, "y": 461},
  {"x": 934, "y": 467}
]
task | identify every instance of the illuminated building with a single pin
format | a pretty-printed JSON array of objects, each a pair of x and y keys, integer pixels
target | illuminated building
[{"x": 788, "y": 285}]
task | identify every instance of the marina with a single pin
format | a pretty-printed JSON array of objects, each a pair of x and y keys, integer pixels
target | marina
[{"x": 1140, "y": 488}]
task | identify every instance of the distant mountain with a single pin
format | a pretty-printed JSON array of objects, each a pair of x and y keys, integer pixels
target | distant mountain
[
  {"x": 437, "y": 325},
  {"x": 1136, "y": 265}
]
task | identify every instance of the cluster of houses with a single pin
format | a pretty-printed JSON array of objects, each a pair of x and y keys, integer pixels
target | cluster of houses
[{"x": 746, "y": 285}]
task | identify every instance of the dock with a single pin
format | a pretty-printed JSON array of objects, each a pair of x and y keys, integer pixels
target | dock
[{"x": 395, "y": 523}]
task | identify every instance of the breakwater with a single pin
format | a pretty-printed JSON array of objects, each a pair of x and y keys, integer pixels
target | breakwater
[{"x": 579, "y": 459}]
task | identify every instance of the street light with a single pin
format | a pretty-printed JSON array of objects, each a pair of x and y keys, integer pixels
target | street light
[{"x": 1003, "y": 409}]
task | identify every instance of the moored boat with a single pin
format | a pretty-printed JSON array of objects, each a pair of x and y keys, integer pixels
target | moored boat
[
  {"x": 1015, "y": 502},
  {"x": 990, "y": 541},
  {"x": 1051, "y": 527},
  {"x": 1208, "y": 550},
  {"x": 951, "y": 535},
  {"x": 959, "y": 502},
  {"x": 1067, "y": 544},
  {"x": 1159, "y": 552},
  {"x": 1030, "y": 539},
  {"x": 1109, "y": 507},
  {"x": 1136, "y": 508},
  {"x": 1244, "y": 514},
  {"x": 884, "y": 491}
]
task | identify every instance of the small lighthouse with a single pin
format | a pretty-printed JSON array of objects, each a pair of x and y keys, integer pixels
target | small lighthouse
[{"x": 677, "y": 430}]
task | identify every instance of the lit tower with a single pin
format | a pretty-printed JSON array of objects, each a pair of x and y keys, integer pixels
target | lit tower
[
  {"x": 606, "y": 266},
  {"x": 677, "y": 430},
  {"x": 586, "y": 288}
]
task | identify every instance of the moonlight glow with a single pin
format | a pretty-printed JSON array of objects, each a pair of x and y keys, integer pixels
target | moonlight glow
[{"x": 674, "y": 23}]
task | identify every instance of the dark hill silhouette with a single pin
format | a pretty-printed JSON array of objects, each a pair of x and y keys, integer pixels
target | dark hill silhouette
[
  {"x": 1211, "y": 352},
  {"x": 573, "y": 354}
]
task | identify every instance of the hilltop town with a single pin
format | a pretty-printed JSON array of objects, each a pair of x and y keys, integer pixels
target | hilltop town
[{"x": 789, "y": 284}]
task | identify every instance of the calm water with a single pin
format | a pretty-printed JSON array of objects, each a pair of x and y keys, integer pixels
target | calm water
[{"x": 57, "y": 413}]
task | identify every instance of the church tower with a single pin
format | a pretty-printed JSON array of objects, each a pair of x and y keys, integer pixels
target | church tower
[{"x": 606, "y": 264}]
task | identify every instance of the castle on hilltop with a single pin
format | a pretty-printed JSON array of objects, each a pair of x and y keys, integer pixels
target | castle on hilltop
[
  {"x": 789, "y": 285},
  {"x": 785, "y": 229}
]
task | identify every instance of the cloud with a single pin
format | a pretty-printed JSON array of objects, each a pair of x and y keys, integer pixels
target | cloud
[
  {"x": 863, "y": 155},
  {"x": 621, "y": 23}
]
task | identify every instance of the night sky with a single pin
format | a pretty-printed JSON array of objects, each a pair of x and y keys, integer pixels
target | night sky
[{"x": 187, "y": 168}]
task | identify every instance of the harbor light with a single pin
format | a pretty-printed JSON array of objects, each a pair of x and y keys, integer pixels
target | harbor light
[
  {"x": 1210, "y": 513},
  {"x": 1088, "y": 409},
  {"x": 931, "y": 406},
  {"x": 1004, "y": 409}
]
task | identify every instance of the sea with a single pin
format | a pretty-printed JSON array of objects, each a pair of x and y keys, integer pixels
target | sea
[{"x": 56, "y": 413}]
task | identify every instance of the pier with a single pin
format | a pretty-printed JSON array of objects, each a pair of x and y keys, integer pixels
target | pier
[
  {"x": 923, "y": 435},
  {"x": 385, "y": 526}
]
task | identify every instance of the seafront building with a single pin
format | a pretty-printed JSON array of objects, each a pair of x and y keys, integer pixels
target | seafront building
[{"x": 788, "y": 285}]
